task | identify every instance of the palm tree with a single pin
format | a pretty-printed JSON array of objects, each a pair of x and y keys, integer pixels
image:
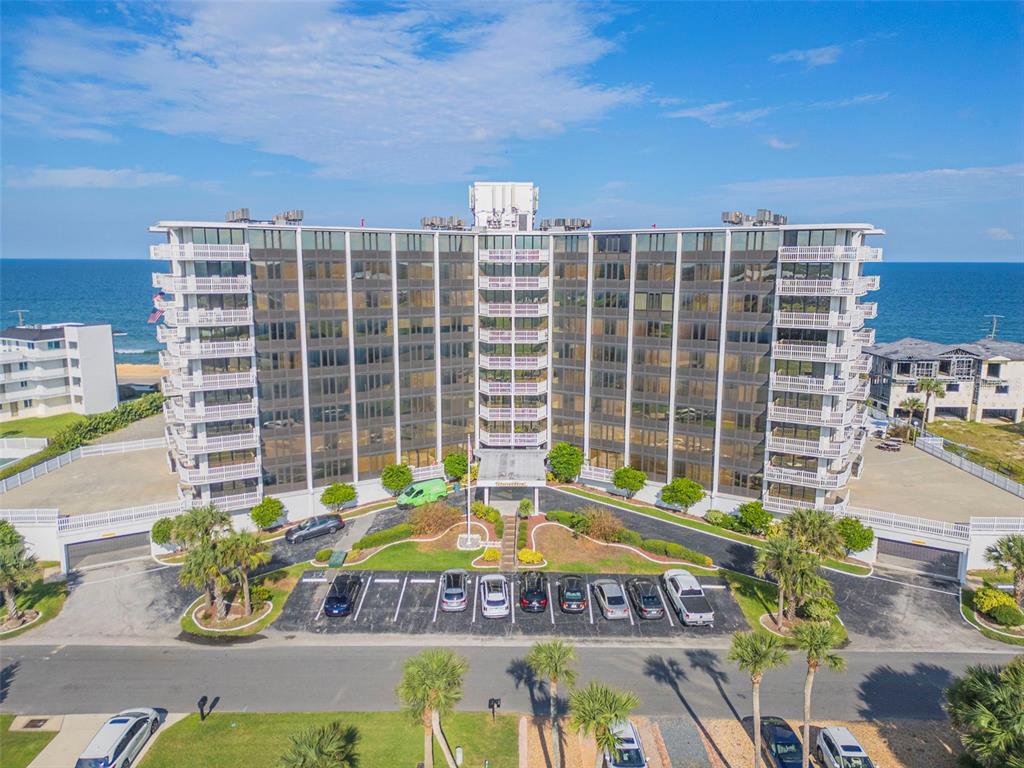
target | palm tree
[
  {"x": 757, "y": 653},
  {"x": 817, "y": 640},
  {"x": 776, "y": 559},
  {"x": 553, "y": 660},
  {"x": 327, "y": 746},
  {"x": 929, "y": 388},
  {"x": 913, "y": 405},
  {"x": 431, "y": 685},
  {"x": 803, "y": 582},
  {"x": 196, "y": 571},
  {"x": 1007, "y": 554},
  {"x": 200, "y": 525},
  {"x": 18, "y": 570},
  {"x": 596, "y": 709},
  {"x": 815, "y": 530},
  {"x": 985, "y": 706},
  {"x": 244, "y": 552}
]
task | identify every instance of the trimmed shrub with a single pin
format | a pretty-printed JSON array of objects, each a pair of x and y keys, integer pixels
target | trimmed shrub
[
  {"x": 682, "y": 491},
  {"x": 432, "y": 519},
  {"x": 525, "y": 508},
  {"x": 856, "y": 536},
  {"x": 1007, "y": 615},
  {"x": 492, "y": 555},
  {"x": 529, "y": 556},
  {"x": 987, "y": 599},
  {"x": 632, "y": 538},
  {"x": 820, "y": 608},
  {"x": 565, "y": 462},
  {"x": 629, "y": 479},
  {"x": 162, "y": 530},
  {"x": 395, "y": 477},
  {"x": 323, "y": 555},
  {"x": 674, "y": 551},
  {"x": 267, "y": 512},
  {"x": 752, "y": 517},
  {"x": 720, "y": 519},
  {"x": 602, "y": 524},
  {"x": 491, "y": 515},
  {"x": 386, "y": 536},
  {"x": 456, "y": 465},
  {"x": 521, "y": 529},
  {"x": 337, "y": 495},
  {"x": 260, "y": 594}
]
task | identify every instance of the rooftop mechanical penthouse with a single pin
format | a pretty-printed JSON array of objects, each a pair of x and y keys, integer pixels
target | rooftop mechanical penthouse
[{"x": 304, "y": 355}]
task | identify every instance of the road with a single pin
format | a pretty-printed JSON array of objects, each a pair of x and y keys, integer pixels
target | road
[{"x": 85, "y": 679}]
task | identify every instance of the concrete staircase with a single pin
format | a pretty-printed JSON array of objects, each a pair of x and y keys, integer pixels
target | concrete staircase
[{"x": 508, "y": 544}]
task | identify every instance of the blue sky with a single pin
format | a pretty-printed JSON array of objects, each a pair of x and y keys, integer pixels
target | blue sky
[{"x": 905, "y": 115}]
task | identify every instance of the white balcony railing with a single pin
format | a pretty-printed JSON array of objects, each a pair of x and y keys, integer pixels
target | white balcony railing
[
  {"x": 168, "y": 333},
  {"x": 166, "y": 304},
  {"x": 506, "y": 363},
  {"x": 509, "y": 439},
  {"x": 205, "y": 317},
  {"x": 824, "y": 448},
  {"x": 237, "y": 501},
  {"x": 198, "y": 252},
  {"x": 197, "y": 414},
  {"x": 861, "y": 365},
  {"x": 496, "y": 362},
  {"x": 869, "y": 283},
  {"x": 521, "y": 387},
  {"x": 199, "y": 349},
  {"x": 33, "y": 393},
  {"x": 506, "y": 309},
  {"x": 822, "y": 386},
  {"x": 829, "y": 253},
  {"x": 191, "y": 284},
  {"x": 34, "y": 374},
  {"x": 821, "y": 417},
  {"x": 508, "y": 282},
  {"x": 212, "y": 443},
  {"x": 495, "y": 336},
  {"x": 821, "y": 479},
  {"x": 819, "y": 353},
  {"x": 865, "y": 336},
  {"x": 785, "y": 506},
  {"x": 200, "y": 381},
  {"x": 868, "y": 309},
  {"x": 507, "y": 414},
  {"x": 825, "y": 321},
  {"x": 795, "y": 287},
  {"x": 201, "y": 476}
]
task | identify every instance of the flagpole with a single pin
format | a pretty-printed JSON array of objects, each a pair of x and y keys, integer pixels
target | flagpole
[{"x": 469, "y": 479}]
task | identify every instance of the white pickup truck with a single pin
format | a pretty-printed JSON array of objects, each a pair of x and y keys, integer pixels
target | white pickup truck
[{"x": 686, "y": 596}]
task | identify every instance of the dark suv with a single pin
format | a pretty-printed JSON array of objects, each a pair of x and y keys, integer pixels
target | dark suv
[
  {"x": 572, "y": 594},
  {"x": 342, "y": 596},
  {"x": 312, "y": 527},
  {"x": 533, "y": 592}
]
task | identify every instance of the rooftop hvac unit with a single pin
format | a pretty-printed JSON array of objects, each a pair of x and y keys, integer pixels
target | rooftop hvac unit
[
  {"x": 567, "y": 225},
  {"x": 289, "y": 217},
  {"x": 239, "y": 214},
  {"x": 732, "y": 217},
  {"x": 442, "y": 222}
]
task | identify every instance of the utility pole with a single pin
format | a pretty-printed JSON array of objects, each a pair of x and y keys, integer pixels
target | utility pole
[{"x": 995, "y": 323}]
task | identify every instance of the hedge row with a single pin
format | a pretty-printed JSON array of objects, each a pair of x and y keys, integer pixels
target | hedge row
[
  {"x": 386, "y": 536},
  {"x": 491, "y": 515}
]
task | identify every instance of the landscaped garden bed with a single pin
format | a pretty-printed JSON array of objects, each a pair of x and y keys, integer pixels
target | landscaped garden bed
[
  {"x": 271, "y": 588},
  {"x": 37, "y": 603},
  {"x": 971, "y": 603}
]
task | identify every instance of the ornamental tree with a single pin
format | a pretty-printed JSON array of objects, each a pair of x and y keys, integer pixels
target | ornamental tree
[
  {"x": 456, "y": 465},
  {"x": 395, "y": 477},
  {"x": 565, "y": 461},
  {"x": 856, "y": 536},
  {"x": 629, "y": 479},
  {"x": 753, "y": 517},
  {"x": 337, "y": 495},
  {"x": 683, "y": 492},
  {"x": 267, "y": 512}
]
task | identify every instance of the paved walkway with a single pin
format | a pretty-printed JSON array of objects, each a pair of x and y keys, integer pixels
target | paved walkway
[
  {"x": 76, "y": 731},
  {"x": 912, "y": 482}
]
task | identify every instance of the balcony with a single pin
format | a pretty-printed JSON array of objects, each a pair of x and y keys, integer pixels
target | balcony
[
  {"x": 785, "y": 506},
  {"x": 209, "y": 444},
  {"x": 237, "y": 501},
  {"x": 495, "y": 336},
  {"x": 838, "y": 321},
  {"x": 822, "y": 417},
  {"x": 191, "y": 284},
  {"x": 823, "y": 386},
  {"x": 829, "y": 253},
  {"x": 823, "y": 448},
  {"x": 197, "y": 382},
  {"x": 506, "y": 283},
  {"x": 207, "y": 317},
  {"x": 507, "y": 414},
  {"x": 857, "y": 389},
  {"x": 521, "y": 387},
  {"x": 165, "y": 304},
  {"x": 868, "y": 310},
  {"x": 34, "y": 374},
  {"x": 861, "y": 365},
  {"x": 510, "y": 439},
  {"x": 505, "y": 309},
  {"x": 496, "y": 363},
  {"x": 496, "y": 254},
  {"x": 200, "y": 476},
  {"x": 171, "y": 362},
  {"x": 169, "y": 333},
  {"x": 33, "y": 393},
  {"x": 198, "y": 252},
  {"x": 505, "y": 363},
  {"x": 864, "y": 336},
  {"x": 869, "y": 283},
  {"x": 532, "y": 254},
  {"x": 818, "y": 353},
  {"x": 789, "y": 287},
  {"x": 196, "y": 414},
  {"x": 822, "y": 479},
  {"x": 23, "y": 354},
  {"x": 199, "y": 349},
  {"x": 509, "y": 254}
]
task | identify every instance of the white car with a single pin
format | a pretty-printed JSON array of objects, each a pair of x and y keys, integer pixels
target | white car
[
  {"x": 628, "y": 752},
  {"x": 686, "y": 596},
  {"x": 837, "y": 748},
  {"x": 494, "y": 597},
  {"x": 120, "y": 740}
]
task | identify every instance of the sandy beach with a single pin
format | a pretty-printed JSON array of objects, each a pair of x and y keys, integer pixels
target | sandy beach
[{"x": 136, "y": 373}]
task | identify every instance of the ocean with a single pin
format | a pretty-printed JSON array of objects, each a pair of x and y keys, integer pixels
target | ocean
[{"x": 943, "y": 302}]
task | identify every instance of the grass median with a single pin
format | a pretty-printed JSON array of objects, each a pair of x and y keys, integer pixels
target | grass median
[
  {"x": 387, "y": 739},
  {"x": 46, "y": 598},
  {"x": 20, "y": 747}
]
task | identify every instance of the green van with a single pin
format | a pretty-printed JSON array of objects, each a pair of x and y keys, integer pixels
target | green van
[{"x": 423, "y": 492}]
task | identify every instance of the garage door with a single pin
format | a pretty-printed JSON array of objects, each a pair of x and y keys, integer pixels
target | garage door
[
  {"x": 918, "y": 557},
  {"x": 89, "y": 553}
]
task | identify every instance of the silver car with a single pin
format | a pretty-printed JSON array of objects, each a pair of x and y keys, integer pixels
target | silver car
[
  {"x": 628, "y": 751},
  {"x": 494, "y": 598},
  {"x": 454, "y": 590},
  {"x": 611, "y": 599},
  {"x": 120, "y": 740}
]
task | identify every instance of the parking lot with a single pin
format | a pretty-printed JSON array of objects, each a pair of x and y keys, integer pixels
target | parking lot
[{"x": 409, "y": 603}]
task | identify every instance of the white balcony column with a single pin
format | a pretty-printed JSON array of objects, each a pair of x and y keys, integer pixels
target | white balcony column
[
  {"x": 394, "y": 333},
  {"x": 627, "y": 421},
  {"x": 303, "y": 348},
  {"x": 437, "y": 348},
  {"x": 674, "y": 359},
  {"x": 720, "y": 383},
  {"x": 351, "y": 357},
  {"x": 587, "y": 363}
]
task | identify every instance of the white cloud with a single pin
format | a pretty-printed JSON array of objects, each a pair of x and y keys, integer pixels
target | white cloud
[
  {"x": 999, "y": 233},
  {"x": 852, "y": 101},
  {"x": 809, "y": 57},
  {"x": 722, "y": 113},
  {"x": 776, "y": 143},
  {"x": 421, "y": 92},
  {"x": 89, "y": 178}
]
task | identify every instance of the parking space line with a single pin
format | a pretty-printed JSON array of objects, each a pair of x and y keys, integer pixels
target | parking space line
[
  {"x": 629, "y": 611},
  {"x": 322, "y": 604},
  {"x": 551, "y": 605},
  {"x": 475, "y": 595},
  {"x": 388, "y": 580},
  {"x": 590, "y": 599},
  {"x": 421, "y": 581},
  {"x": 437, "y": 601},
  {"x": 361, "y": 598},
  {"x": 664, "y": 602},
  {"x": 512, "y": 605},
  {"x": 400, "y": 596}
]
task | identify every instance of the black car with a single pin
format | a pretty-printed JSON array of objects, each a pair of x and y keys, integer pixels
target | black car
[
  {"x": 533, "y": 592},
  {"x": 312, "y": 527},
  {"x": 781, "y": 745},
  {"x": 572, "y": 594},
  {"x": 644, "y": 595},
  {"x": 342, "y": 595}
]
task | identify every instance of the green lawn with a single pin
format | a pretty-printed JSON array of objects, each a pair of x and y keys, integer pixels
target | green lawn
[
  {"x": 39, "y": 426},
  {"x": 967, "y": 604},
  {"x": 414, "y": 556},
  {"x": 839, "y": 565},
  {"x": 388, "y": 739},
  {"x": 999, "y": 447},
  {"x": 20, "y": 747},
  {"x": 281, "y": 584},
  {"x": 48, "y": 599}
]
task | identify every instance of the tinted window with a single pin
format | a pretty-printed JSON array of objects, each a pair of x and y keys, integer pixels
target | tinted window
[
  {"x": 628, "y": 758},
  {"x": 615, "y": 600},
  {"x": 573, "y": 594}
]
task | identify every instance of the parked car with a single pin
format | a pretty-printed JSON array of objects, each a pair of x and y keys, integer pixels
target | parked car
[
  {"x": 533, "y": 591},
  {"x": 610, "y": 599},
  {"x": 781, "y": 745},
  {"x": 628, "y": 751},
  {"x": 494, "y": 599},
  {"x": 454, "y": 590},
  {"x": 837, "y": 748},
  {"x": 422, "y": 492},
  {"x": 644, "y": 595},
  {"x": 120, "y": 740},
  {"x": 311, "y": 527},
  {"x": 341, "y": 598},
  {"x": 686, "y": 596},
  {"x": 572, "y": 594}
]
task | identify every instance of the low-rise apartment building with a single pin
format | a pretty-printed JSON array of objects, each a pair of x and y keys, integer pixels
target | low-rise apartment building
[
  {"x": 983, "y": 379},
  {"x": 59, "y": 368}
]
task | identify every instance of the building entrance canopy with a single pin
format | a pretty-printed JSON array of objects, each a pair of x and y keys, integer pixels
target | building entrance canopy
[{"x": 511, "y": 468}]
